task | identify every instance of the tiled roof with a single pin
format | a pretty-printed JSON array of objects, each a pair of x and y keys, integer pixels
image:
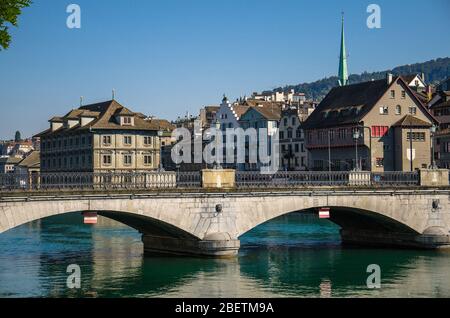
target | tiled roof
[
  {"x": 346, "y": 105},
  {"x": 409, "y": 78},
  {"x": 32, "y": 160},
  {"x": 411, "y": 121},
  {"x": 105, "y": 118},
  {"x": 269, "y": 111},
  {"x": 10, "y": 160},
  {"x": 239, "y": 110},
  {"x": 163, "y": 124}
]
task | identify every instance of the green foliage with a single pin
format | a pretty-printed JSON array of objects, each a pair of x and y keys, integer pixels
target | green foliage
[
  {"x": 9, "y": 11},
  {"x": 18, "y": 136},
  {"x": 435, "y": 72}
]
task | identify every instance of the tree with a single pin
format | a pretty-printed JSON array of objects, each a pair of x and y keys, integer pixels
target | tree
[
  {"x": 9, "y": 11},
  {"x": 18, "y": 137}
]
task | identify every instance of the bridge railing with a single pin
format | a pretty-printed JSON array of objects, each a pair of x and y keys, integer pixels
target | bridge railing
[
  {"x": 250, "y": 179},
  {"x": 106, "y": 181},
  {"x": 167, "y": 180},
  {"x": 395, "y": 178}
]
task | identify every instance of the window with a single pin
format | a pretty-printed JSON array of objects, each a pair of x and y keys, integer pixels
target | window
[
  {"x": 416, "y": 136},
  {"x": 412, "y": 110},
  {"x": 379, "y": 131},
  {"x": 384, "y": 110},
  {"x": 289, "y": 133},
  {"x": 392, "y": 94},
  {"x": 106, "y": 159},
  {"x": 298, "y": 133},
  {"x": 297, "y": 148},
  {"x": 403, "y": 94},
  {"x": 127, "y": 120},
  {"x": 379, "y": 162},
  {"x": 127, "y": 140},
  {"x": 386, "y": 147},
  {"x": 147, "y": 140},
  {"x": 106, "y": 140},
  {"x": 127, "y": 160},
  {"x": 281, "y": 134},
  {"x": 398, "y": 110},
  {"x": 147, "y": 160},
  {"x": 285, "y": 121},
  {"x": 293, "y": 121}
]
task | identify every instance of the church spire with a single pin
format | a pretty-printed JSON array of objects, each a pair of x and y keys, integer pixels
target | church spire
[{"x": 343, "y": 70}]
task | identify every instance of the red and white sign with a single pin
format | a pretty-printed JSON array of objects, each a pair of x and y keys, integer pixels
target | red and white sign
[
  {"x": 90, "y": 217},
  {"x": 324, "y": 213}
]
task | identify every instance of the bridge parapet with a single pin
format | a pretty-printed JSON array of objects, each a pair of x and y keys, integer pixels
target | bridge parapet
[
  {"x": 434, "y": 177},
  {"x": 219, "y": 179}
]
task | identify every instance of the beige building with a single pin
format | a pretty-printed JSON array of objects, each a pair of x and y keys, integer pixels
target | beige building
[
  {"x": 102, "y": 137},
  {"x": 376, "y": 126},
  {"x": 293, "y": 154}
]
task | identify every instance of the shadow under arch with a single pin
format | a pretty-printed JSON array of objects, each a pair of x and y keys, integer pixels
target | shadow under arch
[
  {"x": 143, "y": 224},
  {"x": 355, "y": 220}
]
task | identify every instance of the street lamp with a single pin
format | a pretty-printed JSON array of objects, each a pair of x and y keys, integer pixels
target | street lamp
[
  {"x": 356, "y": 136},
  {"x": 161, "y": 167},
  {"x": 432, "y": 133}
]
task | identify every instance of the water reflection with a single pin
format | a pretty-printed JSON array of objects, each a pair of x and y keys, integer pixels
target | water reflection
[{"x": 297, "y": 255}]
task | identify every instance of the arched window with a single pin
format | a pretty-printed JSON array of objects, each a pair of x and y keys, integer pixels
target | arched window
[{"x": 398, "y": 110}]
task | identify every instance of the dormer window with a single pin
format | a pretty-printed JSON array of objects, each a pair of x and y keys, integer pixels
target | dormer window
[{"x": 127, "y": 120}]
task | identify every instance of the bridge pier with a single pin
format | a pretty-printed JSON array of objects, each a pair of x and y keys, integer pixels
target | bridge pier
[
  {"x": 429, "y": 240},
  {"x": 218, "y": 245}
]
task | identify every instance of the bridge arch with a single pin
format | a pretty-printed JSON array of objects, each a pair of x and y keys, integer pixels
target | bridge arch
[{"x": 143, "y": 215}]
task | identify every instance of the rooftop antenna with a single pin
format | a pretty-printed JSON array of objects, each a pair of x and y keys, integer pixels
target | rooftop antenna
[
  {"x": 113, "y": 93},
  {"x": 81, "y": 101}
]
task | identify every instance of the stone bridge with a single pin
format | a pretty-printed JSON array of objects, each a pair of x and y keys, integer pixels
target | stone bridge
[{"x": 210, "y": 223}]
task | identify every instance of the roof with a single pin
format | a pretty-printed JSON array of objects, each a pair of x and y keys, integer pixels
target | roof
[
  {"x": 347, "y": 105},
  {"x": 410, "y": 77},
  {"x": 269, "y": 111},
  {"x": 411, "y": 121},
  {"x": 104, "y": 114},
  {"x": 444, "y": 104},
  {"x": 163, "y": 124},
  {"x": 212, "y": 108},
  {"x": 10, "y": 160},
  {"x": 239, "y": 110},
  {"x": 32, "y": 160},
  {"x": 124, "y": 112}
]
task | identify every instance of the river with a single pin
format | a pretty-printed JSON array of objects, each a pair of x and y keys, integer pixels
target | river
[{"x": 293, "y": 256}]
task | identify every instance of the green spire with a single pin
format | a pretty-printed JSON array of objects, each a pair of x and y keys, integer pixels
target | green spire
[{"x": 343, "y": 70}]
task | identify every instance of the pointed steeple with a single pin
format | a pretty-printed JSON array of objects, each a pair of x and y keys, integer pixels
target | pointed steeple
[{"x": 343, "y": 70}]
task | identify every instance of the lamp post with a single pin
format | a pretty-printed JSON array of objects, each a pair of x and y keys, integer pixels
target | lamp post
[
  {"x": 356, "y": 136},
  {"x": 411, "y": 146},
  {"x": 432, "y": 132},
  {"x": 161, "y": 167}
]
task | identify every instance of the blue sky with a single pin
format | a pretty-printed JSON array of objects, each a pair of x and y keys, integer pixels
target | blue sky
[{"x": 167, "y": 57}]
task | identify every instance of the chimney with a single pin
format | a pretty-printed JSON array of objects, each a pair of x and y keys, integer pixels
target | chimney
[
  {"x": 429, "y": 91},
  {"x": 423, "y": 77},
  {"x": 389, "y": 78}
]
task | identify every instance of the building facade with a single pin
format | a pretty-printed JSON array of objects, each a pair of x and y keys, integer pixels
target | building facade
[
  {"x": 370, "y": 126},
  {"x": 102, "y": 137},
  {"x": 293, "y": 153},
  {"x": 440, "y": 108}
]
